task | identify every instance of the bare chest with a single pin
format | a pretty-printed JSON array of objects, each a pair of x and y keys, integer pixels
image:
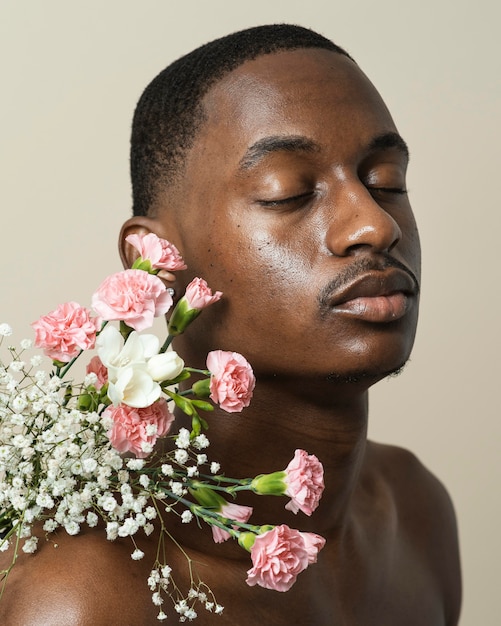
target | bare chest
[{"x": 391, "y": 589}]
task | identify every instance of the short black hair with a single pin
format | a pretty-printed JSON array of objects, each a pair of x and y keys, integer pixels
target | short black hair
[{"x": 170, "y": 110}]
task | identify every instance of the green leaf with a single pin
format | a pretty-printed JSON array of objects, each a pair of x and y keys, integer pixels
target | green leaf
[{"x": 201, "y": 404}]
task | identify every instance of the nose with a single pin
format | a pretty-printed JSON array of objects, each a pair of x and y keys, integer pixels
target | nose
[{"x": 357, "y": 221}]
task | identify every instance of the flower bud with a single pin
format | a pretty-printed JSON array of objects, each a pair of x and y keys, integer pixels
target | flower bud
[
  {"x": 270, "y": 484},
  {"x": 198, "y": 296},
  {"x": 165, "y": 366},
  {"x": 202, "y": 388},
  {"x": 246, "y": 540},
  {"x": 207, "y": 497},
  {"x": 84, "y": 402},
  {"x": 181, "y": 317},
  {"x": 143, "y": 264}
]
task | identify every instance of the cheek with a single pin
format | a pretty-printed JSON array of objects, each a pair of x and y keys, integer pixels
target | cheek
[{"x": 270, "y": 271}]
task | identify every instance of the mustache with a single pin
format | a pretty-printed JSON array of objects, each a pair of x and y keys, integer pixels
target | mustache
[{"x": 357, "y": 269}]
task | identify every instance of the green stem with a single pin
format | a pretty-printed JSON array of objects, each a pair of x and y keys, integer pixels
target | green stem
[
  {"x": 166, "y": 344},
  {"x": 243, "y": 482}
]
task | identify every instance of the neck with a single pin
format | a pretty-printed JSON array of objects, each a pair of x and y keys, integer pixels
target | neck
[{"x": 328, "y": 420}]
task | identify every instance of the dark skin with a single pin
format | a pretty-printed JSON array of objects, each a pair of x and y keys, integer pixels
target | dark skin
[{"x": 293, "y": 204}]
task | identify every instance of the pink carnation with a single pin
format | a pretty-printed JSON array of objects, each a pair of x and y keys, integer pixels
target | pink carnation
[
  {"x": 232, "y": 380},
  {"x": 162, "y": 254},
  {"x": 65, "y": 331},
  {"x": 137, "y": 430},
  {"x": 232, "y": 511},
  {"x": 280, "y": 555},
  {"x": 199, "y": 294},
  {"x": 95, "y": 366},
  {"x": 133, "y": 296},
  {"x": 305, "y": 482}
]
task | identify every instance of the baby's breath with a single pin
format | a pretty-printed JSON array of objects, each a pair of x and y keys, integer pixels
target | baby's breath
[{"x": 57, "y": 466}]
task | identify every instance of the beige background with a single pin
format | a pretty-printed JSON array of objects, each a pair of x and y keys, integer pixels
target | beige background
[{"x": 71, "y": 73}]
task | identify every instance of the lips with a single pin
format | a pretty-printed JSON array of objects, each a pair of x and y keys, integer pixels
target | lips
[{"x": 376, "y": 296}]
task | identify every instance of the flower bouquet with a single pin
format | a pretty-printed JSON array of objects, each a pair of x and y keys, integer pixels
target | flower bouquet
[{"x": 85, "y": 453}]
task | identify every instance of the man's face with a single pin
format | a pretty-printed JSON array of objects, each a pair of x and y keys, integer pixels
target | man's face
[{"x": 293, "y": 204}]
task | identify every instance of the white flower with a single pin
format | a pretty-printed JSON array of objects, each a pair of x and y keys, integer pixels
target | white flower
[
  {"x": 147, "y": 447},
  {"x": 150, "y": 512},
  {"x": 186, "y": 517},
  {"x": 167, "y": 470},
  {"x": 36, "y": 360},
  {"x": 5, "y": 330},
  {"x": 134, "y": 387},
  {"x": 141, "y": 519},
  {"x": 115, "y": 355},
  {"x": 92, "y": 519},
  {"x": 50, "y": 525},
  {"x": 45, "y": 501},
  {"x": 165, "y": 366},
  {"x": 161, "y": 616},
  {"x": 26, "y": 344},
  {"x": 135, "y": 464},
  {"x": 40, "y": 376},
  {"x": 129, "y": 527},
  {"x": 214, "y": 467},
  {"x": 153, "y": 579},
  {"x": 181, "y": 456},
  {"x": 72, "y": 528},
  {"x": 177, "y": 488},
  {"x": 30, "y": 545},
  {"x": 181, "y": 607},
  {"x": 137, "y": 555},
  {"x": 90, "y": 379},
  {"x": 111, "y": 531},
  {"x": 135, "y": 368},
  {"x": 157, "y": 599},
  {"x": 201, "y": 442},
  {"x": 19, "y": 404},
  {"x": 89, "y": 465},
  {"x": 109, "y": 503},
  {"x": 183, "y": 438}
]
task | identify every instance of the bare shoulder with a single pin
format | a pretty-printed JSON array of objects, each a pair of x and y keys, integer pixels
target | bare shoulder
[
  {"x": 426, "y": 515},
  {"x": 77, "y": 580}
]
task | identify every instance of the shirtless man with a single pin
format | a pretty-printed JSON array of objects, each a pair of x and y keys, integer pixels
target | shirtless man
[{"x": 278, "y": 172}]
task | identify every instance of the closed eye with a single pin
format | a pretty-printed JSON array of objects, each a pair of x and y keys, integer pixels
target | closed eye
[
  {"x": 287, "y": 201},
  {"x": 391, "y": 190}
]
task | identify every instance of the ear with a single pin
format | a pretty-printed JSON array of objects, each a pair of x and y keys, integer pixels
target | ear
[
  {"x": 138, "y": 225},
  {"x": 141, "y": 225}
]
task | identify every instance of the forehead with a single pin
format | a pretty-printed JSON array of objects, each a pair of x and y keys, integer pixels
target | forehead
[{"x": 308, "y": 92}]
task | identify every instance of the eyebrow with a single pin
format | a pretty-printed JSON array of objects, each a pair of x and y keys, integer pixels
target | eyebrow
[
  {"x": 278, "y": 143},
  {"x": 298, "y": 143},
  {"x": 386, "y": 141}
]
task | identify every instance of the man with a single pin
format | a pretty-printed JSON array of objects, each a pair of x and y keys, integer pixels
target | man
[{"x": 271, "y": 162}]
